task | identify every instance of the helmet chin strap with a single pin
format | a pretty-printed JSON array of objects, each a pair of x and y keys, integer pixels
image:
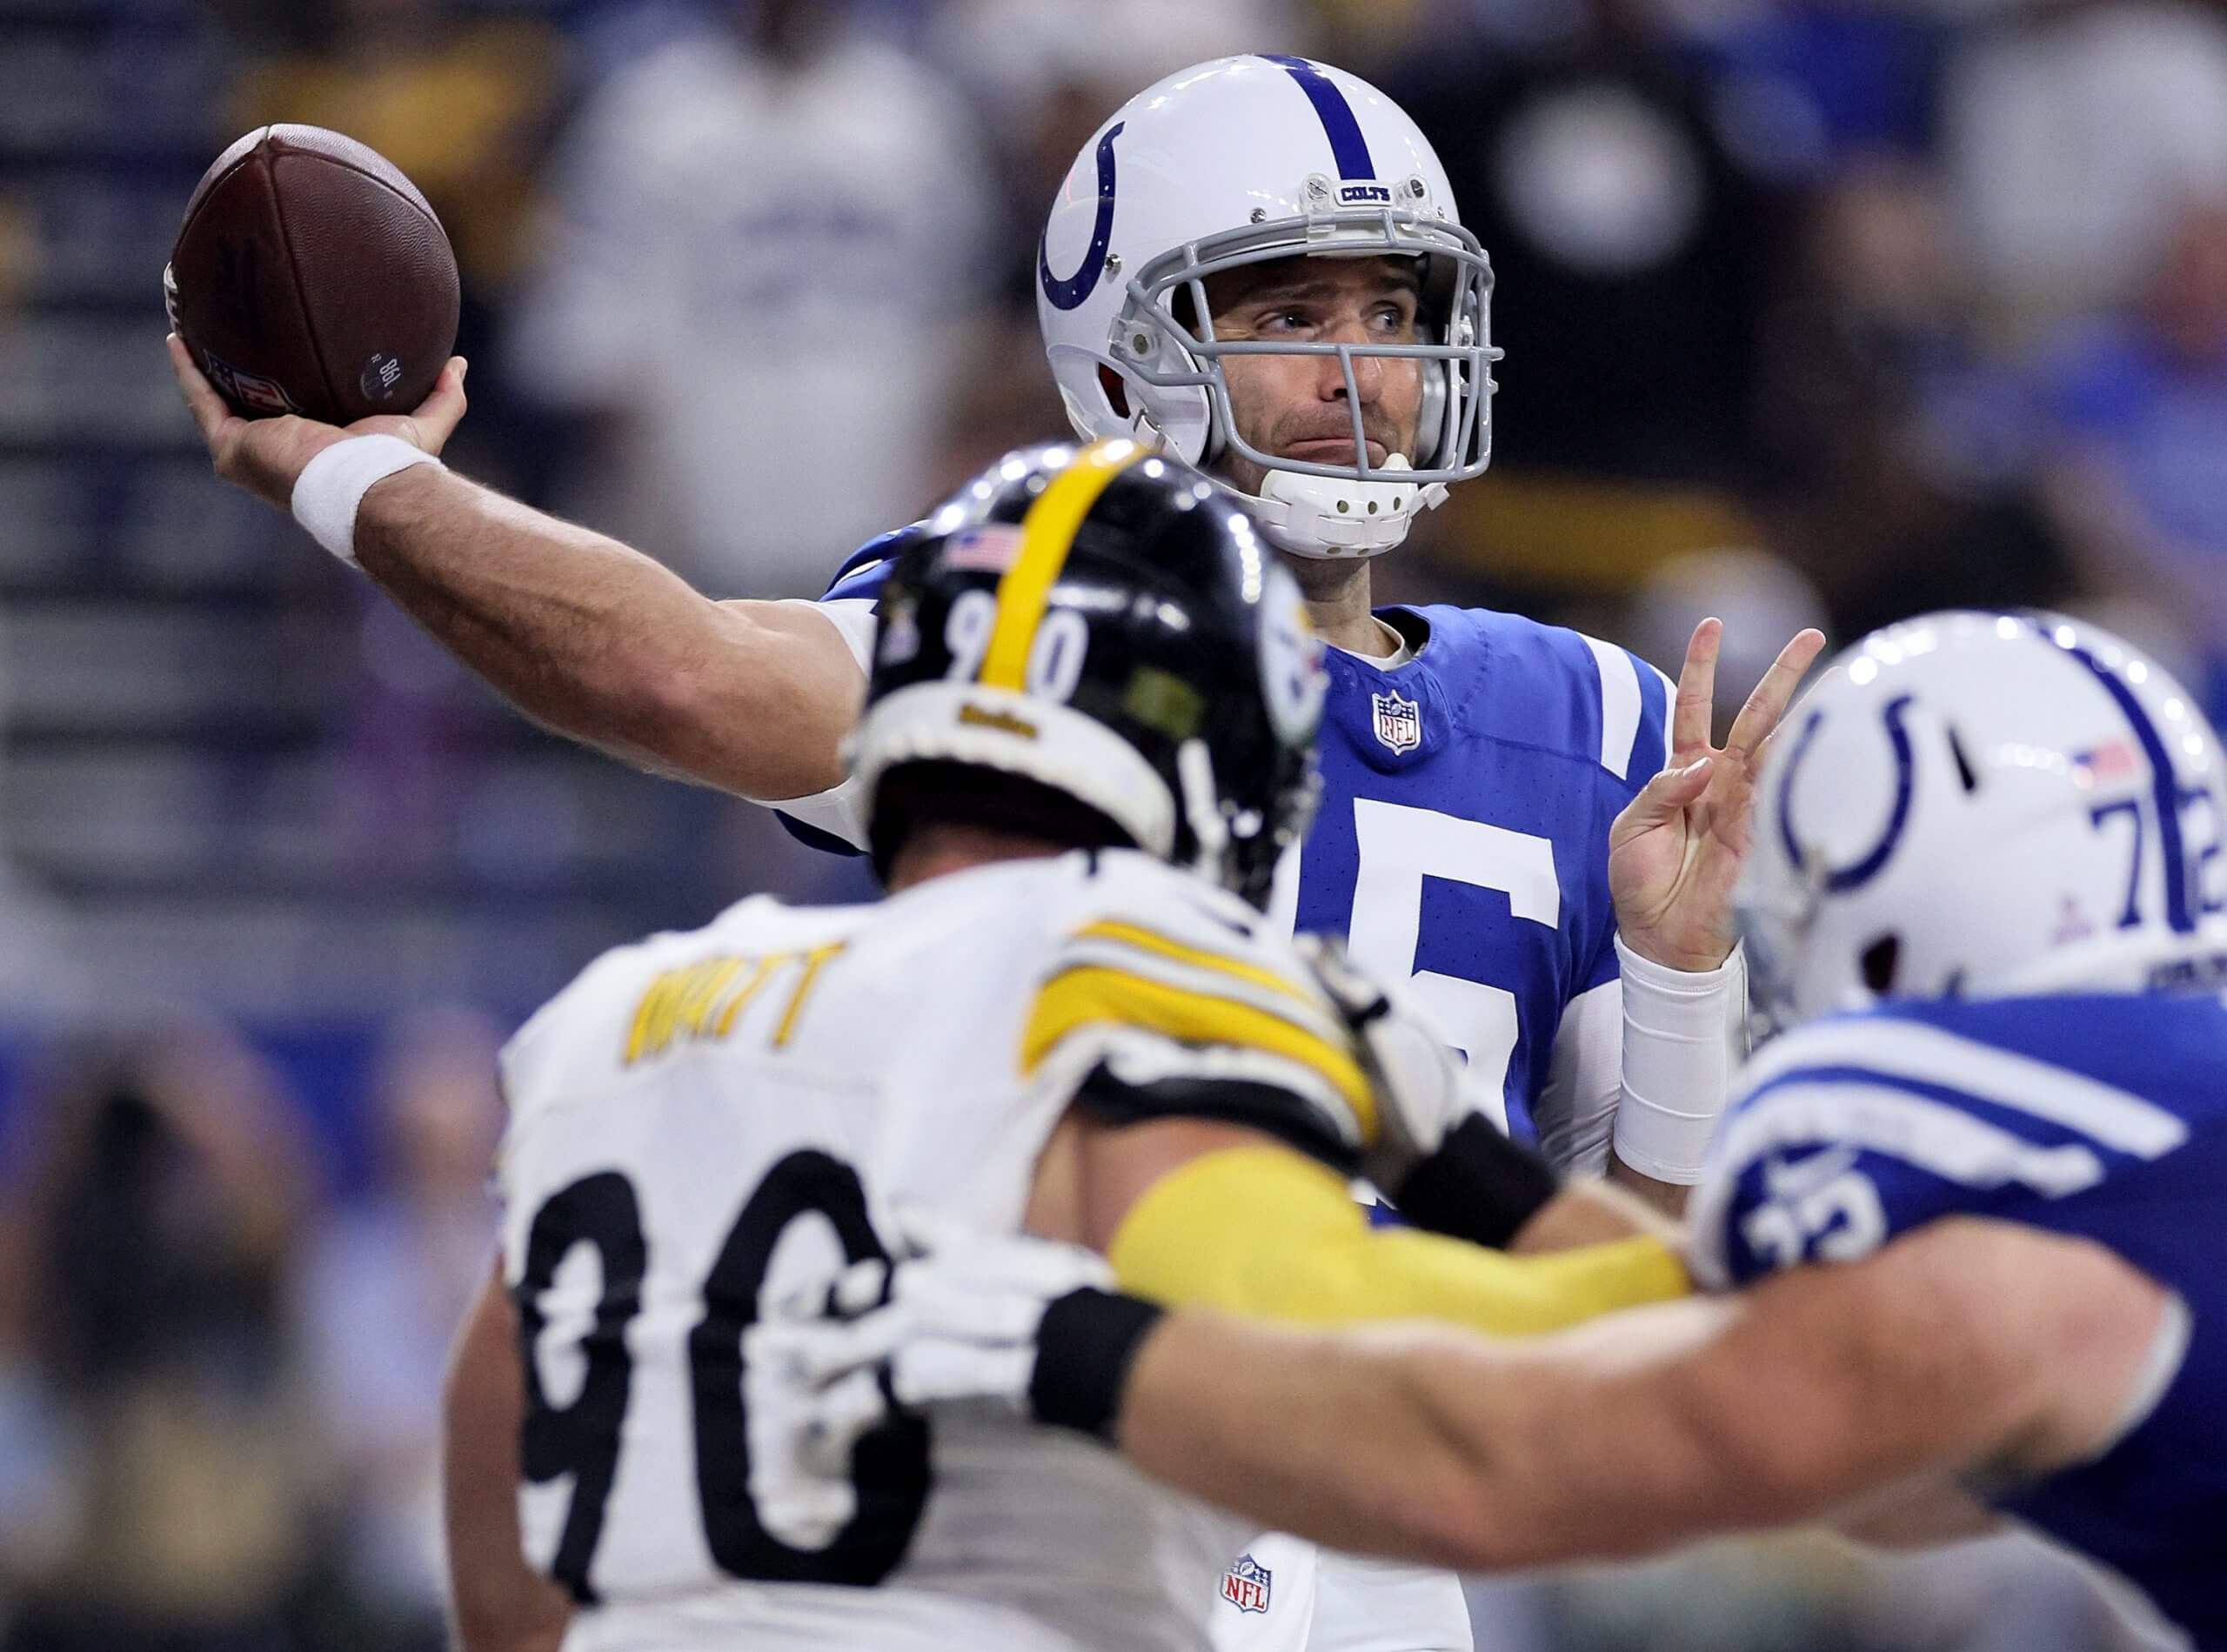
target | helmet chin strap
[
  {"x": 1335, "y": 518},
  {"x": 1330, "y": 518}
]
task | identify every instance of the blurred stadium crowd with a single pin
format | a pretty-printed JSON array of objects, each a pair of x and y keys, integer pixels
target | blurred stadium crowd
[{"x": 1815, "y": 311}]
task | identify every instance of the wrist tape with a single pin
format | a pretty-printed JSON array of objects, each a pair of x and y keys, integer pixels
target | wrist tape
[
  {"x": 1084, "y": 1348},
  {"x": 330, "y": 488}
]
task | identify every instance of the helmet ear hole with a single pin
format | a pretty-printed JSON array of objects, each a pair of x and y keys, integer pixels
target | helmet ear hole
[
  {"x": 1879, "y": 962},
  {"x": 1117, "y": 392},
  {"x": 1963, "y": 763}
]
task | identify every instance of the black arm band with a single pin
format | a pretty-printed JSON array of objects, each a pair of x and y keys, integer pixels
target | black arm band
[
  {"x": 1084, "y": 1348},
  {"x": 1479, "y": 1186}
]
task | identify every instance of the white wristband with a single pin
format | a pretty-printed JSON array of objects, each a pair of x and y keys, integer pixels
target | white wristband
[
  {"x": 332, "y": 487},
  {"x": 1685, "y": 1032}
]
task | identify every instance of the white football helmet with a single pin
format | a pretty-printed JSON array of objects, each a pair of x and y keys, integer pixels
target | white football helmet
[
  {"x": 1239, "y": 161},
  {"x": 1976, "y": 804}
]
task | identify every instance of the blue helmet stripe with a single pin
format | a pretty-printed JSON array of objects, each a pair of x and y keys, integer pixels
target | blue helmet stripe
[
  {"x": 2164, "y": 779},
  {"x": 1346, "y": 143},
  {"x": 1066, "y": 292}
]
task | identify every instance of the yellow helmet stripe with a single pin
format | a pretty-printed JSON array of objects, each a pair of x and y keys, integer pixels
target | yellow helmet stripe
[{"x": 1048, "y": 531}]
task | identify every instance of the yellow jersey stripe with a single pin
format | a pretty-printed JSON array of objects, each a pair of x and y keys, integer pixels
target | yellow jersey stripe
[
  {"x": 1092, "y": 994},
  {"x": 1152, "y": 940},
  {"x": 1048, "y": 531}
]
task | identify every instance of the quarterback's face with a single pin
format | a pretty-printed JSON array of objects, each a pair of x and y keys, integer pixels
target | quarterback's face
[{"x": 1295, "y": 406}]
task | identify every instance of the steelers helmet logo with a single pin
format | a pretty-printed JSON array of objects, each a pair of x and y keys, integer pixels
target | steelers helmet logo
[{"x": 1293, "y": 680}]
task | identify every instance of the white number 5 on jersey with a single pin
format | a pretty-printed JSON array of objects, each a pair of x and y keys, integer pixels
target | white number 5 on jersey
[{"x": 1399, "y": 846}]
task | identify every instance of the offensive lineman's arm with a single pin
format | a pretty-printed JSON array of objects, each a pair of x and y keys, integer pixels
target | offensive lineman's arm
[
  {"x": 578, "y": 631},
  {"x": 1968, "y": 1346},
  {"x": 497, "y": 1602}
]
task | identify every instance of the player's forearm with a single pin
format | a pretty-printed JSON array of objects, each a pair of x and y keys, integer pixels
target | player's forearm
[
  {"x": 1966, "y": 1348},
  {"x": 600, "y": 642},
  {"x": 1666, "y": 1199},
  {"x": 1347, "y": 1462},
  {"x": 1417, "y": 1442},
  {"x": 1592, "y": 1213},
  {"x": 497, "y": 1603},
  {"x": 1648, "y": 1428},
  {"x": 1261, "y": 1230}
]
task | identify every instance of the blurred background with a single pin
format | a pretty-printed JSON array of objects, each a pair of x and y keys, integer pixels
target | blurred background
[{"x": 1813, "y": 312}]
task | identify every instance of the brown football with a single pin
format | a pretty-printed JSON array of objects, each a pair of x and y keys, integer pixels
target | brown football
[{"x": 310, "y": 276}]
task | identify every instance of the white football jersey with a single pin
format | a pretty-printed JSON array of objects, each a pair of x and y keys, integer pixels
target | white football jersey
[{"x": 704, "y": 1122}]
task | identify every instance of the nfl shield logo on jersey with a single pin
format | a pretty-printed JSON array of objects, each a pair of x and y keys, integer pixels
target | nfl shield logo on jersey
[
  {"x": 1245, "y": 1585},
  {"x": 1399, "y": 721}
]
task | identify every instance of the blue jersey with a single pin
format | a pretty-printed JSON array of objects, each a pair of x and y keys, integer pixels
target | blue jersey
[
  {"x": 1463, "y": 833},
  {"x": 2103, "y": 1117}
]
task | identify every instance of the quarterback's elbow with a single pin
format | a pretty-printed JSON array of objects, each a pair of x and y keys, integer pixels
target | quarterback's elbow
[
  {"x": 757, "y": 704},
  {"x": 676, "y": 709}
]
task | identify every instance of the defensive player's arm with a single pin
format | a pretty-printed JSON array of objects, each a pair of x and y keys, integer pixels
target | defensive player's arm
[
  {"x": 498, "y": 1604},
  {"x": 1220, "y": 1107},
  {"x": 1968, "y": 1347},
  {"x": 1193, "y": 1212},
  {"x": 580, "y": 632}
]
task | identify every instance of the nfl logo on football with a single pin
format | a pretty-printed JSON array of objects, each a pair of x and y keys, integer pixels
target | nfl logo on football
[
  {"x": 1245, "y": 1585},
  {"x": 250, "y": 390},
  {"x": 1399, "y": 721}
]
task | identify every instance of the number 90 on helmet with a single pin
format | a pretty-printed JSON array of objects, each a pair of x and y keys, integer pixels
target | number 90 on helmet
[{"x": 1093, "y": 644}]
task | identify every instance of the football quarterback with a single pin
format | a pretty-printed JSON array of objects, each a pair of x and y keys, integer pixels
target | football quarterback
[{"x": 1254, "y": 266}]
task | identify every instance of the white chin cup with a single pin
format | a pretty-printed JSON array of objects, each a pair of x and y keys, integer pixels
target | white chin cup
[{"x": 1329, "y": 517}]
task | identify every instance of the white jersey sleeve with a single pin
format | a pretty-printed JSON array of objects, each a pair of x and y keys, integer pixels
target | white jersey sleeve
[
  {"x": 1575, "y": 1110},
  {"x": 840, "y": 812},
  {"x": 1167, "y": 997}
]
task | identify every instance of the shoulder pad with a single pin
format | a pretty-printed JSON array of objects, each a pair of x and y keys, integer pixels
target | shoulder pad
[
  {"x": 867, "y": 569},
  {"x": 1164, "y": 997},
  {"x": 581, "y": 1034},
  {"x": 1856, "y": 1128}
]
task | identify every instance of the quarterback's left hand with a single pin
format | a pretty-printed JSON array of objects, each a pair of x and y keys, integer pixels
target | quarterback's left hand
[{"x": 1674, "y": 851}]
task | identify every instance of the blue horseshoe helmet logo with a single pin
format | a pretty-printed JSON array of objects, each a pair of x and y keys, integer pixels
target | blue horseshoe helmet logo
[
  {"x": 1067, "y": 293},
  {"x": 1840, "y": 880}
]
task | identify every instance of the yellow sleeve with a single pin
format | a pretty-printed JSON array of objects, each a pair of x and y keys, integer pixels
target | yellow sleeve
[
  {"x": 1262, "y": 1230},
  {"x": 1135, "y": 1023}
]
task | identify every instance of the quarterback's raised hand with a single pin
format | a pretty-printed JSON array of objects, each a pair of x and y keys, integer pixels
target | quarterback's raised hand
[
  {"x": 266, "y": 456},
  {"x": 1674, "y": 851}
]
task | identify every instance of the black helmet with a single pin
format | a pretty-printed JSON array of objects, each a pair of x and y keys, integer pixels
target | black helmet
[{"x": 1103, "y": 625}]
